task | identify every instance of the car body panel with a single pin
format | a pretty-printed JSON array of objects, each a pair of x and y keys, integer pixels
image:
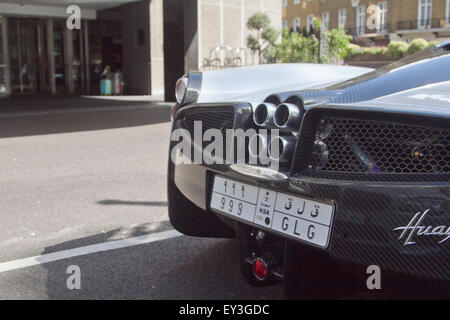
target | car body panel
[
  {"x": 429, "y": 100},
  {"x": 253, "y": 84}
]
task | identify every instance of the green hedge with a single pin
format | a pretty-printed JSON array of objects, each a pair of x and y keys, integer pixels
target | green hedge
[
  {"x": 396, "y": 49},
  {"x": 418, "y": 45}
]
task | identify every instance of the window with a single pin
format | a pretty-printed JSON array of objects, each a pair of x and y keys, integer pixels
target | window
[
  {"x": 424, "y": 14},
  {"x": 284, "y": 3},
  {"x": 310, "y": 22},
  {"x": 285, "y": 24},
  {"x": 447, "y": 13},
  {"x": 342, "y": 17},
  {"x": 325, "y": 20},
  {"x": 382, "y": 17},
  {"x": 361, "y": 20},
  {"x": 296, "y": 24},
  {"x": 297, "y": 1}
]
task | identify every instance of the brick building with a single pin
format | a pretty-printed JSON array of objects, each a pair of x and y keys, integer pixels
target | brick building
[{"x": 397, "y": 19}]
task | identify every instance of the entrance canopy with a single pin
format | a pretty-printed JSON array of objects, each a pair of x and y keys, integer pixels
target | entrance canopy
[{"x": 57, "y": 8}]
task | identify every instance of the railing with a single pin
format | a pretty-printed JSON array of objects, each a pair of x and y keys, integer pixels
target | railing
[
  {"x": 364, "y": 30},
  {"x": 223, "y": 57},
  {"x": 423, "y": 24}
]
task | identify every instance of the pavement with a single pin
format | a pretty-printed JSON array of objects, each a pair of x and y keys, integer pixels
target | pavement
[
  {"x": 49, "y": 105},
  {"x": 74, "y": 181}
]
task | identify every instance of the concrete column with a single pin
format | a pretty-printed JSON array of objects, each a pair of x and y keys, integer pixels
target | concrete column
[
  {"x": 68, "y": 60},
  {"x": 222, "y": 36},
  {"x": 200, "y": 33},
  {"x": 157, "y": 47},
  {"x": 191, "y": 36},
  {"x": 50, "y": 58},
  {"x": 136, "y": 47},
  {"x": 87, "y": 77},
  {"x": 243, "y": 24}
]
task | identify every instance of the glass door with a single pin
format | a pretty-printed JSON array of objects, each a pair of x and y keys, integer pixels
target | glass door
[
  {"x": 27, "y": 56},
  {"x": 58, "y": 55},
  {"x": 4, "y": 74},
  {"x": 78, "y": 61}
]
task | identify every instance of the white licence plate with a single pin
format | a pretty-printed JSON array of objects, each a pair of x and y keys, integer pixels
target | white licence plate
[{"x": 296, "y": 217}]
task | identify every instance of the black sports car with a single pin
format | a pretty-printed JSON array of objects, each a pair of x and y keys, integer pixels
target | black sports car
[{"x": 357, "y": 177}]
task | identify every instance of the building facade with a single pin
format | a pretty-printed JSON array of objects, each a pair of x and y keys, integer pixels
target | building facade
[
  {"x": 396, "y": 19},
  {"x": 150, "y": 42}
]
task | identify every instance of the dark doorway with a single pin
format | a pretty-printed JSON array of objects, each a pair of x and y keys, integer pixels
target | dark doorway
[
  {"x": 112, "y": 54},
  {"x": 28, "y": 54},
  {"x": 173, "y": 45},
  {"x": 105, "y": 45}
]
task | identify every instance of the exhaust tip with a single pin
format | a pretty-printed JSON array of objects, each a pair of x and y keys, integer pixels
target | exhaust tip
[
  {"x": 287, "y": 117},
  {"x": 276, "y": 156},
  {"x": 257, "y": 145},
  {"x": 282, "y": 149},
  {"x": 263, "y": 115}
]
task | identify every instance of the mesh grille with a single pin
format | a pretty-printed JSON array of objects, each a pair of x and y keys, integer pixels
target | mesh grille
[
  {"x": 362, "y": 146},
  {"x": 221, "y": 120}
]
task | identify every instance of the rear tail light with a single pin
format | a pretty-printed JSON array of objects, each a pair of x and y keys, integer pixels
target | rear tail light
[
  {"x": 172, "y": 113},
  {"x": 260, "y": 269}
]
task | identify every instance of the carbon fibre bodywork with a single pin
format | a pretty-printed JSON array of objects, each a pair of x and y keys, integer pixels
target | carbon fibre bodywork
[{"x": 370, "y": 206}]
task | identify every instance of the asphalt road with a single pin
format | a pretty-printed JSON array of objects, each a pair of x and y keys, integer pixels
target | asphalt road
[
  {"x": 72, "y": 180},
  {"x": 77, "y": 181}
]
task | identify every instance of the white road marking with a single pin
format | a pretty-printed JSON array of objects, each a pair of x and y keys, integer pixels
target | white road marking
[{"x": 76, "y": 252}]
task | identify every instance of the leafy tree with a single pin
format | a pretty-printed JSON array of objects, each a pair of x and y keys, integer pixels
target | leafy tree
[
  {"x": 263, "y": 43},
  {"x": 338, "y": 44},
  {"x": 304, "y": 47},
  {"x": 295, "y": 47}
]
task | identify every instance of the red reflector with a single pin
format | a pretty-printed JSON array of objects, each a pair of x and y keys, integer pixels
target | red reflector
[
  {"x": 172, "y": 114},
  {"x": 260, "y": 269}
]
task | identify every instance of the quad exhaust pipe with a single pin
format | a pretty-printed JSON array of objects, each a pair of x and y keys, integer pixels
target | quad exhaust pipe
[
  {"x": 279, "y": 148},
  {"x": 264, "y": 115},
  {"x": 288, "y": 117},
  {"x": 282, "y": 149},
  {"x": 257, "y": 146},
  {"x": 285, "y": 117}
]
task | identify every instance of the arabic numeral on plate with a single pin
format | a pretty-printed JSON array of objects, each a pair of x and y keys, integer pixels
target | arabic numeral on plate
[
  {"x": 243, "y": 190},
  {"x": 222, "y": 203},
  {"x": 240, "y": 207},
  {"x": 234, "y": 188},
  {"x": 230, "y": 209}
]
